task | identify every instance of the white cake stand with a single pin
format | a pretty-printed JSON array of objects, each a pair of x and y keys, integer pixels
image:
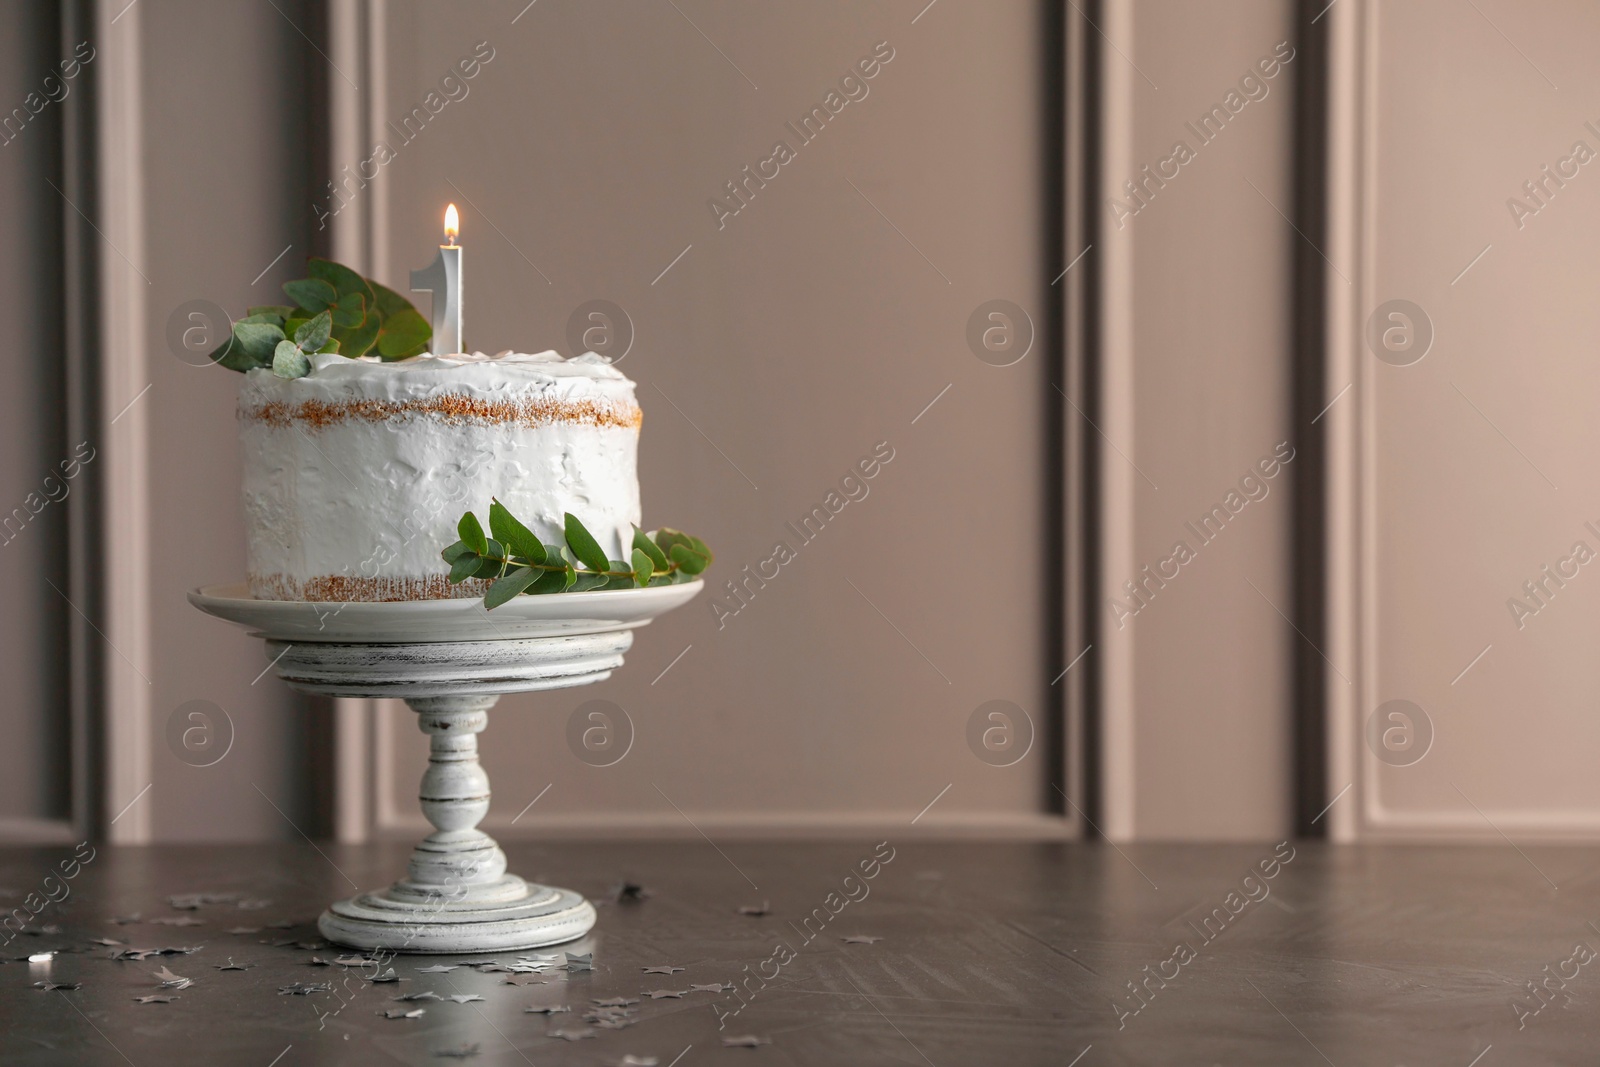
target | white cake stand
[{"x": 450, "y": 660}]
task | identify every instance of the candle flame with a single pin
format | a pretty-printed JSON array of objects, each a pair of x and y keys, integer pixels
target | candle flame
[{"x": 452, "y": 223}]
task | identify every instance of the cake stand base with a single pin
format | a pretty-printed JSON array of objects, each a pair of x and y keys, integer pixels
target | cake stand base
[{"x": 530, "y": 916}]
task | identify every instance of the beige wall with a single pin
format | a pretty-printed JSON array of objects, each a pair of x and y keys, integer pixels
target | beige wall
[
  {"x": 795, "y": 338},
  {"x": 1197, "y": 730},
  {"x": 1471, "y": 465}
]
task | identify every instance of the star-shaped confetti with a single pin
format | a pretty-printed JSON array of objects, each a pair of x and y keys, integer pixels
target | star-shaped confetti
[
  {"x": 572, "y": 1033},
  {"x": 631, "y": 1060},
  {"x": 386, "y": 976},
  {"x": 580, "y": 961},
  {"x": 545, "y": 1009},
  {"x": 105, "y": 941},
  {"x": 744, "y": 1041},
  {"x": 615, "y": 1002},
  {"x": 860, "y": 939},
  {"x": 662, "y": 994},
  {"x": 402, "y": 1013},
  {"x": 426, "y": 994},
  {"x": 619, "y": 1022},
  {"x": 755, "y": 910},
  {"x": 438, "y": 968},
  {"x": 539, "y": 957},
  {"x": 661, "y": 969},
  {"x": 521, "y": 980},
  {"x": 156, "y": 998},
  {"x": 231, "y": 966},
  {"x": 714, "y": 987},
  {"x": 304, "y": 989},
  {"x": 172, "y": 981},
  {"x": 48, "y": 986},
  {"x": 463, "y": 998}
]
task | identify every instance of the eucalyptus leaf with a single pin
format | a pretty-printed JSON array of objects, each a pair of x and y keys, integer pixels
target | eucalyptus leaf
[
  {"x": 358, "y": 340},
  {"x": 586, "y": 581},
  {"x": 282, "y": 311},
  {"x": 493, "y": 567},
  {"x": 454, "y": 552},
  {"x": 509, "y": 586},
  {"x": 231, "y": 354},
  {"x": 344, "y": 280},
  {"x": 464, "y": 566},
  {"x": 314, "y": 334},
  {"x": 289, "y": 362},
  {"x": 551, "y": 581},
  {"x": 312, "y": 294},
  {"x": 688, "y": 560},
  {"x": 643, "y": 567},
  {"x": 508, "y": 528},
  {"x": 583, "y": 544},
  {"x": 331, "y": 348},
  {"x": 405, "y": 333},
  {"x": 258, "y": 340},
  {"x": 268, "y": 317},
  {"x": 388, "y": 301},
  {"x": 471, "y": 531},
  {"x": 641, "y": 543},
  {"x": 350, "y": 311}
]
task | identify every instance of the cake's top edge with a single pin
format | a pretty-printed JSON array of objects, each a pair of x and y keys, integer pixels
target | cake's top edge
[{"x": 530, "y": 364}]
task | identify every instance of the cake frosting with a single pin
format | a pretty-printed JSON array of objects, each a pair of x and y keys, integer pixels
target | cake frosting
[{"x": 355, "y": 475}]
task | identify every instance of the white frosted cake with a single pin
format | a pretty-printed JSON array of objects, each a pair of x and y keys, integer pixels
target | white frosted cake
[{"x": 355, "y": 475}]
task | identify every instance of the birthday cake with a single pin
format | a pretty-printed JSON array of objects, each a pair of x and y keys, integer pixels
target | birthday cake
[{"x": 356, "y": 473}]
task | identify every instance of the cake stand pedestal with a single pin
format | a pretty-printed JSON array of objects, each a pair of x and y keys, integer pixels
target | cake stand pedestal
[{"x": 456, "y": 896}]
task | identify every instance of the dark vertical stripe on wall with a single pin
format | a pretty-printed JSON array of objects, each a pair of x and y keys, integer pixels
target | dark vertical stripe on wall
[
  {"x": 1308, "y": 544},
  {"x": 1086, "y": 290},
  {"x": 305, "y": 175},
  {"x": 1053, "y": 740},
  {"x": 80, "y": 306}
]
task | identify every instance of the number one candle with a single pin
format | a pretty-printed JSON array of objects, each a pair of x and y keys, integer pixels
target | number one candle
[{"x": 442, "y": 278}]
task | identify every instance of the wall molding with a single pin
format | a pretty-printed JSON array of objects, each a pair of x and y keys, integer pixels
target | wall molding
[{"x": 122, "y": 426}]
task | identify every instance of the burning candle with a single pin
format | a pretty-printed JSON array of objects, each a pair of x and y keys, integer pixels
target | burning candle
[{"x": 442, "y": 278}]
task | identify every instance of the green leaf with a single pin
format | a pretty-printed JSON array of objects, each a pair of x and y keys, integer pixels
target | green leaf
[
  {"x": 289, "y": 362},
  {"x": 471, "y": 531},
  {"x": 258, "y": 340},
  {"x": 454, "y": 552},
  {"x": 331, "y": 348},
  {"x": 509, "y": 586},
  {"x": 314, "y": 334},
  {"x": 275, "y": 320},
  {"x": 464, "y": 566},
  {"x": 282, "y": 311},
  {"x": 388, "y": 301},
  {"x": 583, "y": 544},
  {"x": 350, "y": 311},
  {"x": 358, "y": 340},
  {"x": 405, "y": 333},
  {"x": 641, "y": 543},
  {"x": 233, "y": 357},
  {"x": 553, "y": 581},
  {"x": 344, "y": 280},
  {"x": 585, "y": 582},
  {"x": 643, "y": 567},
  {"x": 312, "y": 294},
  {"x": 688, "y": 560},
  {"x": 508, "y": 528},
  {"x": 493, "y": 568}
]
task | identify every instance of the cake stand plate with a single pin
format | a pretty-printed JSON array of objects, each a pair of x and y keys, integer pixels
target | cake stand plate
[{"x": 450, "y": 660}]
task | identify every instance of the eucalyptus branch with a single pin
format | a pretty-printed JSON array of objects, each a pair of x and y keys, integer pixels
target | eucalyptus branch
[{"x": 517, "y": 562}]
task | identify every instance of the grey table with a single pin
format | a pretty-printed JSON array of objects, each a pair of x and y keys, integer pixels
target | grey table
[{"x": 1013, "y": 954}]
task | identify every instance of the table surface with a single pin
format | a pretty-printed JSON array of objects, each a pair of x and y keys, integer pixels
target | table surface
[{"x": 1012, "y": 953}]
